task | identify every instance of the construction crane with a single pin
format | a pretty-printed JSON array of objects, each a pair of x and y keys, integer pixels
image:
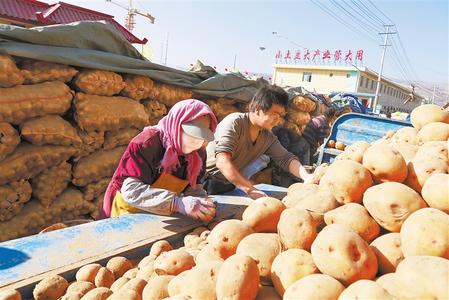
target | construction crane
[{"x": 131, "y": 13}]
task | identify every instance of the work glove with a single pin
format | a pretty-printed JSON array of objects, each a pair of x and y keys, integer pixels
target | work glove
[{"x": 194, "y": 207}]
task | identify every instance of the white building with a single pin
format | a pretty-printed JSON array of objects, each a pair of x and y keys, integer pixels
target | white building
[{"x": 361, "y": 81}]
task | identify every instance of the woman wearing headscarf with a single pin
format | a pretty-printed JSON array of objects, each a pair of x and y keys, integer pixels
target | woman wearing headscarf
[{"x": 161, "y": 168}]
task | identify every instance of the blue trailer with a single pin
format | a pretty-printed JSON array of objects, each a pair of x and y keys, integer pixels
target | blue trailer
[{"x": 352, "y": 127}]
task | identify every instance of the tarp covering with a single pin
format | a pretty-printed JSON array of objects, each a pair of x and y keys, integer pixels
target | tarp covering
[{"x": 97, "y": 45}]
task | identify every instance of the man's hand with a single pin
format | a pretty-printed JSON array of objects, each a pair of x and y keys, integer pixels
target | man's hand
[
  {"x": 254, "y": 193},
  {"x": 195, "y": 207}
]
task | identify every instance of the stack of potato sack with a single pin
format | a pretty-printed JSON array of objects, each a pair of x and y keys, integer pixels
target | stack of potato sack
[
  {"x": 62, "y": 133},
  {"x": 374, "y": 227}
]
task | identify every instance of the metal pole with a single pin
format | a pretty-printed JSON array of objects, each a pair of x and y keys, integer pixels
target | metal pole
[
  {"x": 235, "y": 59},
  {"x": 166, "y": 49},
  {"x": 379, "y": 77},
  {"x": 433, "y": 95}
]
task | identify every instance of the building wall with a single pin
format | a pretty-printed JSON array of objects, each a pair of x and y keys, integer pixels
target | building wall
[
  {"x": 391, "y": 96},
  {"x": 321, "y": 80}
]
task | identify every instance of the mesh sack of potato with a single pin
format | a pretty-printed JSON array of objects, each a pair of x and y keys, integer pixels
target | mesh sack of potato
[
  {"x": 10, "y": 75},
  {"x": 137, "y": 87},
  {"x": 50, "y": 129},
  {"x": 100, "y": 164},
  {"x": 51, "y": 183},
  {"x": 222, "y": 107},
  {"x": 108, "y": 113},
  {"x": 12, "y": 198},
  {"x": 119, "y": 138},
  {"x": 298, "y": 117},
  {"x": 99, "y": 82},
  {"x": 9, "y": 139},
  {"x": 26, "y": 101},
  {"x": 303, "y": 103},
  {"x": 169, "y": 95},
  {"x": 98, "y": 203},
  {"x": 155, "y": 111},
  {"x": 293, "y": 127},
  {"x": 95, "y": 189},
  {"x": 90, "y": 142},
  {"x": 35, "y": 71},
  {"x": 29, "y": 160},
  {"x": 34, "y": 217}
]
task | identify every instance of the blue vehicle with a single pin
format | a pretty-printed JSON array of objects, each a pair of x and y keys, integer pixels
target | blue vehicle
[{"x": 352, "y": 127}]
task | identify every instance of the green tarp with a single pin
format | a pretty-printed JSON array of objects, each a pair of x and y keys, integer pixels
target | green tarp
[{"x": 97, "y": 45}]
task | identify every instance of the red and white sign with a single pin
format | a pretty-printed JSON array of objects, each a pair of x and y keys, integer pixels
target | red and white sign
[{"x": 337, "y": 56}]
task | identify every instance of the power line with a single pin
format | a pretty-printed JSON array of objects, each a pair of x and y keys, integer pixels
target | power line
[
  {"x": 375, "y": 7},
  {"x": 349, "y": 26},
  {"x": 371, "y": 13},
  {"x": 360, "y": 21},
  {"x": 367, "y": 13}
]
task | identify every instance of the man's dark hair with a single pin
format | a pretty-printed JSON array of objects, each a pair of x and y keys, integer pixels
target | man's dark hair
[{"x": 267, "y": 96}]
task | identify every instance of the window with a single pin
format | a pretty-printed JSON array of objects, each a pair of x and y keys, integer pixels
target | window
[
  {"x": 348, "y": 75},
  {"x": 331, "y": 74},
  {"x": 307, "y": 76},
  {"x": 372, "y": 84},
  {"x": 366, "y": 82},
  {"x": 361, "y": 81}
]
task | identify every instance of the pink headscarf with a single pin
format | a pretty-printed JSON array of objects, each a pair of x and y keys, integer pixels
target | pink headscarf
[{"x": 170, "y": 133}]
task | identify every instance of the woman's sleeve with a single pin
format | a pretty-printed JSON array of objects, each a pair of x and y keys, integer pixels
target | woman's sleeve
[{"x": 142, "y": 196}]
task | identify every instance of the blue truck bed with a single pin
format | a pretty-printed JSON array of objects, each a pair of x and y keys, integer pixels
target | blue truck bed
[{"x": 352, "y": 127}]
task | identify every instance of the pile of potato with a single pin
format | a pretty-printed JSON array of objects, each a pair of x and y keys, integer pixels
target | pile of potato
[{"x": 375, "y": 226}]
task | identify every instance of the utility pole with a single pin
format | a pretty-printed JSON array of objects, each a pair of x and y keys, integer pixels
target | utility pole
[
  {"x": 433, "y": 95},
  {"x": 376, "y": 98},
  {"x": 235, "y": 59},
  {"x": 166, "y": 49}
]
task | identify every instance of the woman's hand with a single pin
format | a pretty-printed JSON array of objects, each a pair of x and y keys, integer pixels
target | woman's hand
[{"x": 195, "y": 207}]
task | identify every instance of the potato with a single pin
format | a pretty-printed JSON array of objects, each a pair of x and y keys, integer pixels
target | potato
[
  {"x": 238, "y": 278},
  {"x": 52, "y": 287},
  {"x": 198, "y": 282},
  {"x": 423, "y": 277},
  {"x": 192, "y": 241},
  {"x": 319, "y": 172},
  {"x": 135, "y": 284},
  {"x": 147, "y": 260},
  {"x": 341, "y": 253},
  {"x": 436, "y": 131},
  {"x": 10, "y": 295},
  {"x": 173, "y": 262},
  {"x": 347, "y": 180},
  {"x": 314, "y": 287},
  {"x": 356, "y": 151},
  {"x": 421, "y": 168},
  {"x": 425, "y": 232},
  {"x": 290, "y": 266},
  {"x": 436, "y": 190},
  {"x": 81, "y": 287},
  {"x": 115, "y": 287},
  {"x": 227, "y": 235},
  {"x": 125, "y": 295},
  {"x": 316, "y": 199},
  {"x": 433, "y": 150},
  {"x": 72, "y": 296},
  {"x": 385, "y": 163},
  {"x": 388, "y": 251},
  {"x": 407, "y": 151},
  {"x": 104, "y": 278},
  {"x": 356, "y": 217},
  {"x": 263, "y": 248},
  {"x": 145, "y": 272},
  {"x": 296, "y": 229},
  {"x": 390, "y": 203},
  {"x": 267, "y": 293},
  {"x": 99, "y": 293},
  {"x": 407, "y": 135},
  {"x": 119, "y": 265},
  {"x": 157, "y": 287},
  {"x": 207, "y": 254},
  {"x": 340, "y": 145},
  {"x": 389, "y": 283},
  {"x": 131, "y": 273},
  {"x": 428, "y": 113},
  {"x": 263, "y": 214},
  {"x": 160, "y": 246},
  {"x": 365, "y": 289}
]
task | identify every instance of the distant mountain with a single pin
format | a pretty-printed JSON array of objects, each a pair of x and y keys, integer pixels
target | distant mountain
[{"x": 426, "y": 90}]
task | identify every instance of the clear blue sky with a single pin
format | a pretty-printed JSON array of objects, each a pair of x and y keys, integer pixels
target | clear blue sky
[{"x": 215, "y": 31}]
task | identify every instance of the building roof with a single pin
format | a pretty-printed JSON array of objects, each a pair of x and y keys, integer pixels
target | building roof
[{"x": 40, "y": 13}]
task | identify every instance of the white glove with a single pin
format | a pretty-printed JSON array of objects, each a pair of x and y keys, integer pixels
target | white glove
[{"x": 195, "y": 207}]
